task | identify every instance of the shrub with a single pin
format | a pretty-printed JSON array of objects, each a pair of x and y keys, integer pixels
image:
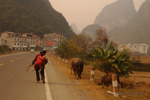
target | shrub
[{"x": 112, "y": 61}]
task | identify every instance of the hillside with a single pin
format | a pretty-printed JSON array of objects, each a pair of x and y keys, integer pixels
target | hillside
[
  {"x": 32, "y": 16},
  {"x": 116, "y": 15},
  {"x": 90, "y": 30},
  {"x": 137, "y": 30}
]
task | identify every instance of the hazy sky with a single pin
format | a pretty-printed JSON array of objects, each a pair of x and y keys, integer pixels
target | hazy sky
[{"x": 83, "y": 12}]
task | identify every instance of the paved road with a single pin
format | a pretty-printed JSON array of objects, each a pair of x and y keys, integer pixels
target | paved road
[{"x": 16, "y": 84}]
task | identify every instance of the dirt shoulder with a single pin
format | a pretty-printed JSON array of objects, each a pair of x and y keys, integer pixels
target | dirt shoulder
[
  {"x": 131, "y": 90},
  {"x": 69, "y": 84}
]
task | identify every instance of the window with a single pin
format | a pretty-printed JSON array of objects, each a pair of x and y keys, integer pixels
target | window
[
  {"x": 24, "y": 39},
  {"x": 22, "y": 44},
  {"x": 14, "y": 43},
  {"x": 15, "y": 39},
  {"x": 5, "y": 41},
  {"x": 18, "y": 43}
]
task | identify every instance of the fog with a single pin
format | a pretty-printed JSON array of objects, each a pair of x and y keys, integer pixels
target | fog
[{"x": 83, "y": 12}]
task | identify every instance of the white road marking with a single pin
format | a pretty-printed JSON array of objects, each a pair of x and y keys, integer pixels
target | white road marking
[{"x": 48, "y": 94}]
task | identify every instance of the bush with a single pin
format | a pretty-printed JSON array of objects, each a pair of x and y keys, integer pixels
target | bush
[
  {"x": 4, "y": 49},
  {"x": 112, "y": 61}
]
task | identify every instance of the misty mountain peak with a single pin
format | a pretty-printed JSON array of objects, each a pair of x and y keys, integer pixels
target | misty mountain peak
[
  {"x": 116, "y": 14},
  {"x": 137, "y": 28},
  {"x": 74, "y": 28}
]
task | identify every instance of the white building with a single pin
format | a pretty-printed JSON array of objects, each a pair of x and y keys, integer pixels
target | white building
[
  {"x": 41, "y": 43},
  {"x": 32, "y": 42},
  {"x": 18, "y": 41},
  {"x": 51, "y": 40},
  {"x": 143, "y": 48},
  {"x": 135, "y": 48}
]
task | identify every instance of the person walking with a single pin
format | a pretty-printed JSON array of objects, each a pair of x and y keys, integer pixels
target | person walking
[{"x": 37, "y": 68}]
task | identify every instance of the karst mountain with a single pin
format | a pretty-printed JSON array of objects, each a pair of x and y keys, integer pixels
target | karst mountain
[
  {"x": 116, "y": 14},
  {"x": 74, "y": 28},
  {"x": 32, "y": 16},
  {"x": 112, "y": 16},
  {"x": 137, "y": 29}
]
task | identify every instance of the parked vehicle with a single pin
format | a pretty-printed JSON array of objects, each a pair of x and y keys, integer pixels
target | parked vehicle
[{"x": 32, "y": 50}]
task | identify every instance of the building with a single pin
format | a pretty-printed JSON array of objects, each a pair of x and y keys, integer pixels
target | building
[
  {"x": 20, "y": 41},
  {"x": 41, "y": 43},
  {"x": 135, "y": 48},
  {"x": 51, "y": 40},
  {"x": 143, "y": 48},
  {"x": 32, "y": 41},
  {"x": 7, "y": 38}
]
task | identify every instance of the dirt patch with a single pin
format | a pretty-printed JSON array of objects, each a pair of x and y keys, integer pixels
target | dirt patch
[{"x": 132, "y": 89}]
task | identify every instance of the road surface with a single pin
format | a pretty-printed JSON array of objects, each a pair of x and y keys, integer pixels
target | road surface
[{"x": 16, "y": 84}]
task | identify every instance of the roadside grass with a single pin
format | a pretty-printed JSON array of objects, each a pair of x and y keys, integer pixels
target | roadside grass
[
  {"x": 134, "y": 88},
  {"x": 10, "y": 53},
  {"x": 143, "y": 58}
]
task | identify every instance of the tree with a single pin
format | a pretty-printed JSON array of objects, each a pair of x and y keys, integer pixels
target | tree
[
  {"x": 62, "y": 49},
  {"x": 75, "y": 47},
  {"x": 101, "y": 37},
  {"x": 112, "y": 61},
  {"x": 4, "y": 48}
]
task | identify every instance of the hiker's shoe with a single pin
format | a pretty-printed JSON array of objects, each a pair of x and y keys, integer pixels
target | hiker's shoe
[{"x": 33, "y": 69}]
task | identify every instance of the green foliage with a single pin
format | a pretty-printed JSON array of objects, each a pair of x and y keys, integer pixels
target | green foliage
[
  {"x": 62, "y": 49},
  {"x": 32, "y": 16},
  {"x": 112, "y": 61},
  {"x": 75, "y": 47},
  {"x": 4, "y": 49}
]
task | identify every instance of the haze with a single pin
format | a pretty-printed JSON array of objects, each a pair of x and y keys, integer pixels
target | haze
[{"x": 83, "y": 12}]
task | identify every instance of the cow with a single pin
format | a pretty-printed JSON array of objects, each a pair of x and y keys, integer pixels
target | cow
[
  {"x": 77, "y": 66},
  {"x": 107, "y": 79}
]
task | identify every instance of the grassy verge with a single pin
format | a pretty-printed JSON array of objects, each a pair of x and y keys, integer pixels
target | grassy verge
[{"x": 132, "y": 89}]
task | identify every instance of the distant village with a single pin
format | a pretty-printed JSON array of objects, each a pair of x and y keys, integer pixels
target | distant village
[
  {"x": 28, "y": 41},
  {"x": 135, "y": 48}
]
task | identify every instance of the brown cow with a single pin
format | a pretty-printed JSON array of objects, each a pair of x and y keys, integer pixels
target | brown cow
[
  {"x": 76, "y": 66},
  {"x": 107, "y": 79}
]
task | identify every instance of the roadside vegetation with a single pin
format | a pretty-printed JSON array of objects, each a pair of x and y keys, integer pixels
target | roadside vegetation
[
  {"x": 101, "y": 52},
  {"x": 105, "y": 58},
  {"x": 5, "y": 49}
]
